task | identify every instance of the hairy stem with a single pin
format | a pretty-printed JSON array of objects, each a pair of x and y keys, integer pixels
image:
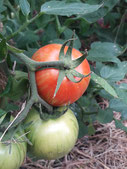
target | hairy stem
[{"x": 34, "y": 65}]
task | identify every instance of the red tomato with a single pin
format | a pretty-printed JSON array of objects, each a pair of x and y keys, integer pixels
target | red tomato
[{"x": 46, "y": 79}]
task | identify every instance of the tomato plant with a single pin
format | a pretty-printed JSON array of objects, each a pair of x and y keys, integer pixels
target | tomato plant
[
  {"x": 52, "y": 138},
  {"x": 46, "y": 79},
  {"x": 12, "y": 154}
]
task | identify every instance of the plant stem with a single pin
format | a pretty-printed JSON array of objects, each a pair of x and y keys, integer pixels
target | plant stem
[
  {"x": 35, "y": 98},
  {"x": 24, "y": 25},
  {"x": 34, "y": 65},
  {"x": 60, "y": 28},
  {"x": 34, "y": 92}
]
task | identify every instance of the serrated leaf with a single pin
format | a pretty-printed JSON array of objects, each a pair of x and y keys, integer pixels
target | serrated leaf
[
  {"x": 68, "y": 9},
  {"x": 105, "y": 116},
  {"x": 104, "y": 52},
  {"x": 117, "y": 105},
  {"x": 101, "y": 12},
  {"x": 114, "y": 73},
  {"x": 120, "y": 125},
  {"x": 59, "y": 81},
  {"x": 19, "y": 85},
  {"x": 104, "y": 84},
  {"x": 25, "y": 7}
]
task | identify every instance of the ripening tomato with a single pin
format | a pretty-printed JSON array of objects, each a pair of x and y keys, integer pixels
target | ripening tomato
[
  {"x": 52, "y": 138},
  {"x": 46, "y": 79}
]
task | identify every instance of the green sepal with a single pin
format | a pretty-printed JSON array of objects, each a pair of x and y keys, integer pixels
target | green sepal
[
  {"x": 77, "y": 74},
  {"x": 70, "y": 47},
  {"x": 71, "y": 77},
  {"x": 75, "y": 63},
  {"x": 61, "y": 54},
  {"x": 56, "y": 113},
  {"x": 59, "y": 81}
]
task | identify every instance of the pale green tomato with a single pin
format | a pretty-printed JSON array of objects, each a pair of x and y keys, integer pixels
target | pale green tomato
[
  {"x": 54, "y": 138},
  {"x": 12, "y": 155}
]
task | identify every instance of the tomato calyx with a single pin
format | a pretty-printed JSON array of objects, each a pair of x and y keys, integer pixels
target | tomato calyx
[
  {"x": 69, "y": 65},
  {"x": 57, "y": 112}
]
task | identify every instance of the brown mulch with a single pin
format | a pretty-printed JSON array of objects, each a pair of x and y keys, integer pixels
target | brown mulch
[{"x": 107, "y": 149}]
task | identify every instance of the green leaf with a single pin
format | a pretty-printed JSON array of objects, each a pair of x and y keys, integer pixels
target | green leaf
[
  {"x": 91, "y": 129},
  {"x": 26, "y": 37},
  {"x": 25, "y": 7},
  {"x": 120, "y": 125},
  {"x": 105, "y": 116},
  {"x": 3, "y": 49},
  {"x": 11, "y": 107},
  {"x": 124, "y": 114},
  {"x": 83, "y": 129},
  {"x": 2, "y": 8},
  {"x": 2, "y": 112},
  {"x": 59, "y": 81},
  {"x": 68, "y": 34},
  {"x": 104, "y": 84},
  {"x": 100, "y": 13},
  {"x": 19, "y": 83},
  {"x": 104, "y": 52},
  {"x": 113, "y": 73},
  {"x": 1, "y": 36},
  {"x": 68, "y": 9},
  {"x": 117, "y": 105}
]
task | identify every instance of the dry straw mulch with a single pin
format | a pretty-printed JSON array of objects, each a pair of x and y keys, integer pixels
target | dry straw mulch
[{"x": 107, "y": 149}]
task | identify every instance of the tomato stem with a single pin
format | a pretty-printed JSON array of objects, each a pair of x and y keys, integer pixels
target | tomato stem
[
  {"x": 24, "y": 26},
  {"x": 34, "y": 65}
]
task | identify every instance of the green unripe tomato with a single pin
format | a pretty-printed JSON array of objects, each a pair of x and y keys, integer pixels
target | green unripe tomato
[
  {"x": 12, "y": 155},
  {"x": 12, "y": 152},
  {"x": 52, "y": 138}
]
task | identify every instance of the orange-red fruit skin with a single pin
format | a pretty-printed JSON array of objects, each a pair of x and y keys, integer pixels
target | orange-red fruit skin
[{"x": 46, "y": 79}]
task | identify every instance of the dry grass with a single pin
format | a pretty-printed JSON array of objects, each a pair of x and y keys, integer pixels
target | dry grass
[{"x": 107, "y": 149}]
